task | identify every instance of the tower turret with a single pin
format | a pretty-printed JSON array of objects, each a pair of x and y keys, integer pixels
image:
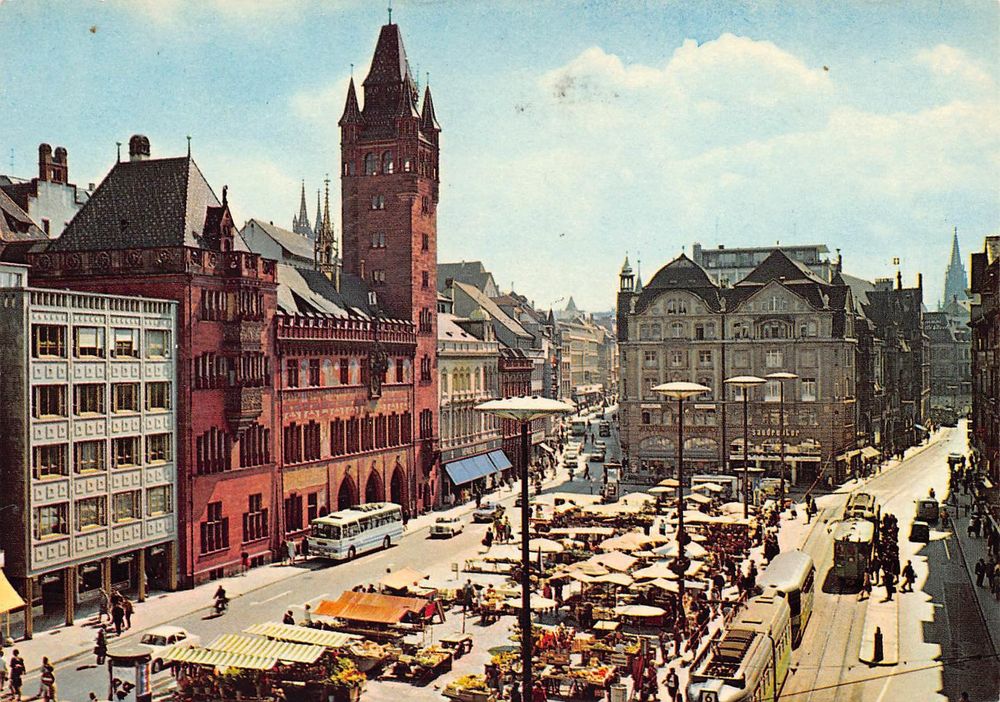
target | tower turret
[
  {"x": 326, "y": 257},
  {"x": 300, "y": 224}
]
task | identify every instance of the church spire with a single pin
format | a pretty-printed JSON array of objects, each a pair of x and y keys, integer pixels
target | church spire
[
  {"x": 300, "y": 224},
  {"x": 319, "y": 215},
  {"x": 325, "y": 254},
  {"x": 956, "y": 257},
  {"x": 955, "y": 280}
]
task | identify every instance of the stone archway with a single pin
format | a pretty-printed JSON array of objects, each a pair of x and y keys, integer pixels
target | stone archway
[
  {"x": 397, "y": 486},
  {"x": 347, "y": 496},
  {"x": 374, "y": 489}
]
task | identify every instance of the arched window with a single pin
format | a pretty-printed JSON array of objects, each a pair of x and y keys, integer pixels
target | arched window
[
  {"x": 378, "y": 202},
  {"x": 677, "y": 330},
  {"x": 370, "y": 164},
  {"x": 388, "y": 165},
  {"x": 774, "y": 329}
]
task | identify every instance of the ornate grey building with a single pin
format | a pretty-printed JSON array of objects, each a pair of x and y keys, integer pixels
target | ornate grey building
[{"x": 782, "y": 316}]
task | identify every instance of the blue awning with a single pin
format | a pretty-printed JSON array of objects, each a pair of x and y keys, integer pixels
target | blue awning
[
  {"x": 500, "y": 460},
  {"x": 466, "y": 470}
]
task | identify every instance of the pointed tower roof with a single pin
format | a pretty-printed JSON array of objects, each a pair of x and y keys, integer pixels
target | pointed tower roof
[
  {"x": 352, "y": 114},
  {"x": 638, "y": 277},
  {"x": 428, "y": 120},
  {"x": 956, "y": 256},
  {"x": 571, "y": 305},
  {"x": 626, "y": 267},
  {"x": 319, "y": 214},
  {"x": 303, "y": 218},
  {"x": 388, "y": 76},
  {"x": 407, "y": 105}
]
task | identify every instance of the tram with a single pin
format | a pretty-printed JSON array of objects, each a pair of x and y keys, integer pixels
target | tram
[
  {"x": 792, "y": 575},
  {"x": 748, "y": 662},
  {"x": 853, "y": 540}
]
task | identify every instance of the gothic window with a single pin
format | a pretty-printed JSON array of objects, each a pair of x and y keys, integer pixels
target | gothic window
[
  {"x": 370, "y": 164},
  {"x": 388, "y": 165}
]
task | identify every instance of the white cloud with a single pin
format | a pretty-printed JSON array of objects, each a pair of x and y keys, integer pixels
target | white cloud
[
  {"x": 322, "y": 105},
  {"x": 739, "y": 134},
  {"x": 950, "y": 63}
]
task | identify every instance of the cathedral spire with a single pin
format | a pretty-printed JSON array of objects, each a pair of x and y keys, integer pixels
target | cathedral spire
[
  {"x": 300, "y": 224},
  {"x": 319, "y": 215},
  {"x": 955, "y": 280}
]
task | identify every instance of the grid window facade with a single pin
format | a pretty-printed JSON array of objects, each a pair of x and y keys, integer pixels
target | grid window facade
[
  {"x": 157, "y": 396},
  {"x": 125, "y": 397},
  {"x": 255, "y": 519},
  {"x": 214, "y": 530},
  {"x": 158, "y": 501},
  {"x": 48, "y": 341},
  {"x": 88, "y": 342},
  {"x": 49, "y": 401},
  {"x": 51, "y": 520},
  {"x": 88, "y": 399},
  {"x": 50, "y": 461},
  {"x": 91, "y": 512},
  {"x": 125, "y": 506},
  {"x": 88, "y": 456},
  {"x": 125, "y": 452}
]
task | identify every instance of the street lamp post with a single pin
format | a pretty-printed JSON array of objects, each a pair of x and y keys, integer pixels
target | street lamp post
[
  {"x": 781, "y": 377},
  {"x": 524, "y": 410},
  {"x": 680, "y": 391},
  {"x": 745, "y": 382}
]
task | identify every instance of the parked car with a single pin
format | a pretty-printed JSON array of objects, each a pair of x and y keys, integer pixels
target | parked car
[
  {"x": 160, "y": 638},
  {"x": 920, "y": 531},
  {"x": 487, "y": 512},
  {"x": 604, "y": 429},
  {"x": 571, "y": 454},
  {"x": 447, "y": 527},
  {"x": 599, "y": 454}
]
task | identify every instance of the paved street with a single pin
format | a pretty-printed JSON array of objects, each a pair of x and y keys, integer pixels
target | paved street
[{"x": 938, "y": 622}]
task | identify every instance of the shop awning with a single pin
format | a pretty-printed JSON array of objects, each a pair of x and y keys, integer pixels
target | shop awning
[
  {"x": 9, "y": 599},
  {"x": 216, "y": 659},
  {"x": 466, "y": 470},
  {"x": 545, "y": 447},
  {"x": 500, "y": 460},
  {"x": 371, "y": 607},
  {"x": 267, "y": 648},
  {"x": 302, "y": 634},
  {"x": 870, "y": 452}
]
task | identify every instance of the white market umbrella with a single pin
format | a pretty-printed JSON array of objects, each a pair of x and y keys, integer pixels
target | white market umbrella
[
  {"x": 657, "y": 570},
  {"x": 620, "y": 579},
  {"x": 709, "y": 487},
  {"x": 692, "y": 550},
  {"x": 699, "y": 499},
  {"x": 545, "y": 546},
  {"x": 668, "y": 483},
  {"x": 637, "y": 610},
  {"x": 662, "y": 490}
]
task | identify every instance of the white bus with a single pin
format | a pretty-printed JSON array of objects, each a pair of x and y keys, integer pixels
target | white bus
[
  {"x": 344, "y": 534},
  {"x": 792, "y": 575}
]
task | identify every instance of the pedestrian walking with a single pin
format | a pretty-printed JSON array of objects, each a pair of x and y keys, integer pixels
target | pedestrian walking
[
  {"x": 890, "y": 585},
  {"x": 104, "y": 608},
  {"x": 283, "y": 551},
  {"x": 515, "y": 693},
  {"x": 980, "y": 572},
  {"x": 304, "y": 548},
  {"x": 673, "y": 683},
  {"x": 866, "y": 587},
  {"x": 118, "y": 617},
  {"x": 3, "y": 671},
  {"x": 288, "y": 618},
  {"x": 488, "y": 538},
  {"x": 538, "y": 693},
  {"x": 128, "y": 609},
  {"x": 290, "y": 545},
  {"x": 307, "y": 617},
  {"x": 47, "y": 681},
  {"x": 909, "y": 577},
  {"x": 468, "y": 595},
  {"x": 244, "y": 563},
  {"x": 101, "y": 645}
]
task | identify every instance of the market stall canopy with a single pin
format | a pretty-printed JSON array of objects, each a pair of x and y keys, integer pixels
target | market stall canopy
[
  {"x": 732, "y": 508},
  {"x": 267, "y": 648},
  {"x": 402, "y": 578},
  {"x": 661, "y": 490},
  {"x": 700, "y": 499},
  {"x": 583, "y": 531},
  {"x": 9, "y": 599},
  {"x": 537, "y": 602},
  {"x": 504, "y": 552},
  {"x": 616, "y": 560},
  {"x": 216, "y": 659},
  {"x": 545, "y": 546},
  {"x": 637, "y": 498},
  {"x": 708, "y": 487},
  {"x": 692, "y": 550},
  {"x": 657, "y": 570},
  {"x": 620, "y": 579},
  {"x": 629, "y": 541},
  {"x": 637, "y": 610},
  {"x": 668, "y": 483},
  {"x": 302, "y": 634},
  {"x": 371, "y": 607}
]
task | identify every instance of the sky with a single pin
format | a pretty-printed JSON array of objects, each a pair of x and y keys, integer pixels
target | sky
[{"x": 573, "y": 132}]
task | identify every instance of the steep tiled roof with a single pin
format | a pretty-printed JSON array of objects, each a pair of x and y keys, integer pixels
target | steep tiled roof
[
  {"x": 292, "y": 243},
  {"x": 448, "y": 329},
  {"x": 682, "y": 272},
  {"x": 15, "y": 224},
  {"x": 303, "y": 291},
  {"x": 778, "y": 265},
  {"x": 145, "y": 204},
  {"x": 493, "y": 310},
  {"x": 470, "y": 272}
]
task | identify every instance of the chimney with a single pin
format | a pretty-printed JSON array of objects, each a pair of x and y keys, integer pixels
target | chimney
[
  {"x": 138, "y": 148},
  {"x": 44, "y": 162},
  {"x": 899, "y": 280},
  {"x": 920, "y": 281}
]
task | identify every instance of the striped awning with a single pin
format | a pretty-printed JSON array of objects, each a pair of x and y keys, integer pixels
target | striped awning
[
  {"x": 302, "y": 634},
  {"x": 500, "y": 460},
  {"x": 267, "y": 648},
  {"x": 217, "y": 659}
]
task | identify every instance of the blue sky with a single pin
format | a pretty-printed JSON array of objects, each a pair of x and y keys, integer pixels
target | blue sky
[{"x": 573, "y": 131}]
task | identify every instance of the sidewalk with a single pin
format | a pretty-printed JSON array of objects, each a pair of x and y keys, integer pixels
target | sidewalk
[
  {"x": 883, "y": 615},
  {"x": 62, "y": 643},
  {"x": 972, "y": 549}
]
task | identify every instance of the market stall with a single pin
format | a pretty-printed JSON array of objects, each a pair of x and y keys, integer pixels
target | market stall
[{"x": 377, "y": 616}]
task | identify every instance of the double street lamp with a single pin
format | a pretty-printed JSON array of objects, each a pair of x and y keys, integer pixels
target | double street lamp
[
  {"x": 524, "y": 410},
  {"x": 781, "y": 377},
  {"x": 745, "y": 382},
  {"x": 680, "y": 391}
]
